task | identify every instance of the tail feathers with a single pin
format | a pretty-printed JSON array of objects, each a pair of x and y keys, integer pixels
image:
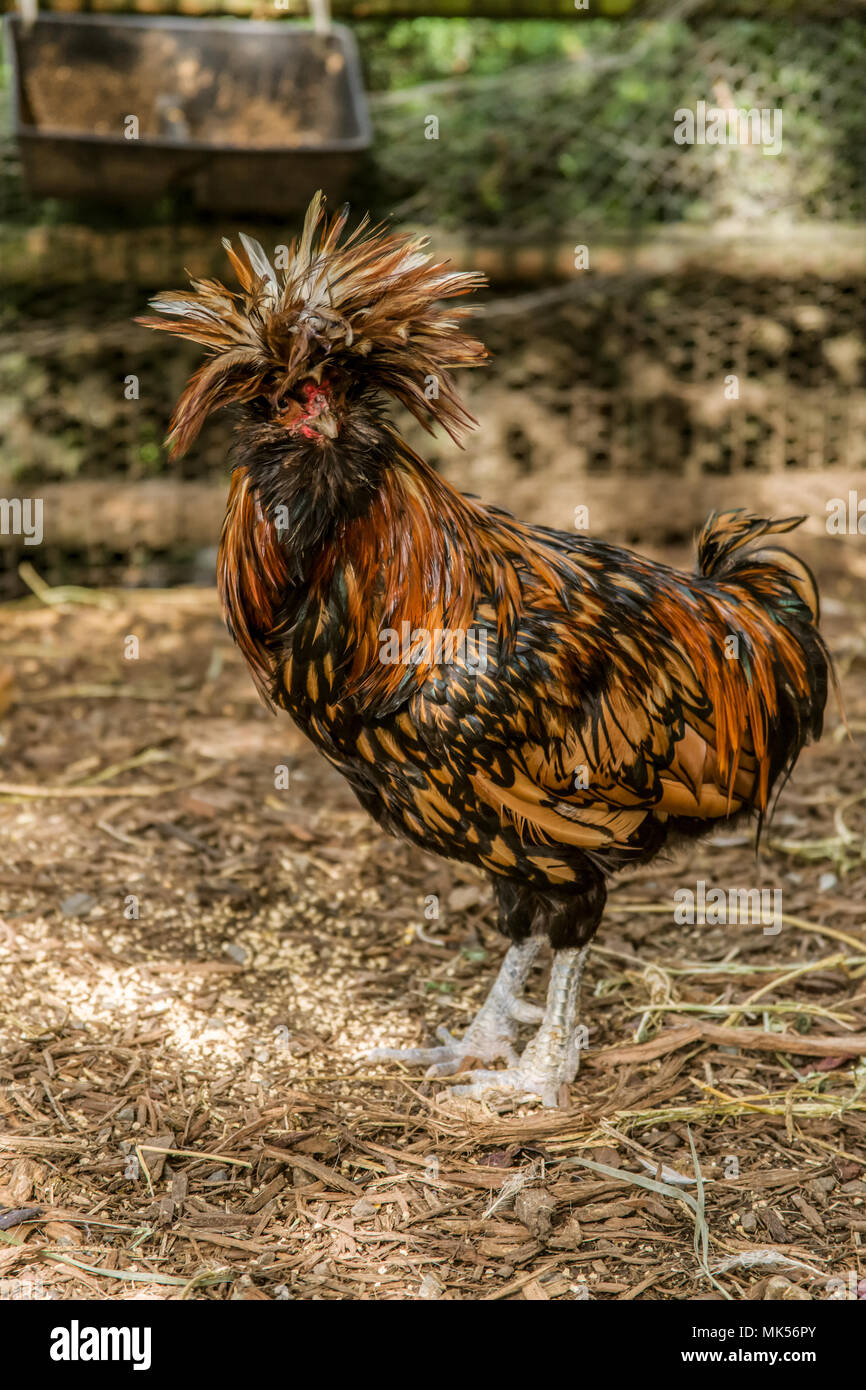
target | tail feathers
[
  {"x": 799, "y": 573},
  {"x": 726, "y": 532},
  {"x": 780, "y": 607}
]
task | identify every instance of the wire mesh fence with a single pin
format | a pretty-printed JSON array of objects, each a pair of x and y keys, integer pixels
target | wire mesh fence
[{"x": 672, "y": 211}]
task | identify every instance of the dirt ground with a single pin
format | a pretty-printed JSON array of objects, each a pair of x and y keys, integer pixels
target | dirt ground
[{"x": 194, "y": 956}]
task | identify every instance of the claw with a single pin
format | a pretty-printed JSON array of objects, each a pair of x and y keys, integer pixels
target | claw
[
  {"x": 524, "y": 1012},
  {"x": 448, "y": 1059},
  {"x": 518, "y": 1081}
]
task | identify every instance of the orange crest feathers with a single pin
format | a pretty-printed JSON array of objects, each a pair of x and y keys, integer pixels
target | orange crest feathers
[{"x": 368, "y": 305}]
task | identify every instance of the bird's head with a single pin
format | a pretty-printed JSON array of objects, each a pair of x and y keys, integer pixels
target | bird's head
[{"x": 348, "y": 315}]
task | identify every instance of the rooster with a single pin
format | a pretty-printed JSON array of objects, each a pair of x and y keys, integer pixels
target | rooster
[{"x": 605, "y": 706}]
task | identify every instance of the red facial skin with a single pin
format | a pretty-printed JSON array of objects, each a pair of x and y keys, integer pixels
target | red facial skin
[{"x": 318, "y": 399}]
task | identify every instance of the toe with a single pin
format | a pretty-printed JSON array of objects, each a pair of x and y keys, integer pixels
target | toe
[
  {"x": 446, "y": 1059},
  {"x": 514, "y": 1081},
  {"x": 481, "y": 1083},
  {"x": 446, "y": 1066},
  {"x": 524, "y": 1012}
]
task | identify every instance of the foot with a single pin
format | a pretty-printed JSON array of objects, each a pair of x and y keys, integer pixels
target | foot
[
  {"x": 550, "y": 1061},
  {"x": 492, "y": 1033}
]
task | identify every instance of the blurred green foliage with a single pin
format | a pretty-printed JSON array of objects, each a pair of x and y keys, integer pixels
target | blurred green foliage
[
  {"x": 402, "y": 53},
  {"x": 543, "y": 126}
]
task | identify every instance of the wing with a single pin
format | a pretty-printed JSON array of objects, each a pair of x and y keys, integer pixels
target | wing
[{"x": 593, "y": 727}]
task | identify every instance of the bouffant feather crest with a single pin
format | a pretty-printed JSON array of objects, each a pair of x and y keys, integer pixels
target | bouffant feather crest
[{"x": 367, "y": 304}]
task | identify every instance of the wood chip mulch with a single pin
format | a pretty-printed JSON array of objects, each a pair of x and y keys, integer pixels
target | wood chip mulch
[{"x": 194, "y": 957}]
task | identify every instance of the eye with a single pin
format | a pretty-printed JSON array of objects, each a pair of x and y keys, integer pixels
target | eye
[{"x": 286, "y": 408}]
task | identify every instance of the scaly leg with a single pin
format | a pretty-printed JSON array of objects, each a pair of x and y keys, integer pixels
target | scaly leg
[
  {"x": 492, "y": 1032},
  {"x": 553, "y": 1055}
]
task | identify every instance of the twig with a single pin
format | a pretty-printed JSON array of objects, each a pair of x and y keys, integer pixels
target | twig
[
  {"x": 191, "y": 1153},
  {"x": 736, "y": 921},
  {"x": 26, "y": 790}
]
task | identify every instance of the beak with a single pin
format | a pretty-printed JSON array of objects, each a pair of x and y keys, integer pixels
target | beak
[{"x": 325, "y": 424}]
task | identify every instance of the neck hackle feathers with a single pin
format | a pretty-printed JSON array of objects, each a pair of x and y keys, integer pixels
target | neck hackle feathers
[{"x": 365, "y": 304}]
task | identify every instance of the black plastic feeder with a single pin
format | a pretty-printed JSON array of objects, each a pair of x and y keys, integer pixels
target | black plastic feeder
[{"x": 237, "y": 115}]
